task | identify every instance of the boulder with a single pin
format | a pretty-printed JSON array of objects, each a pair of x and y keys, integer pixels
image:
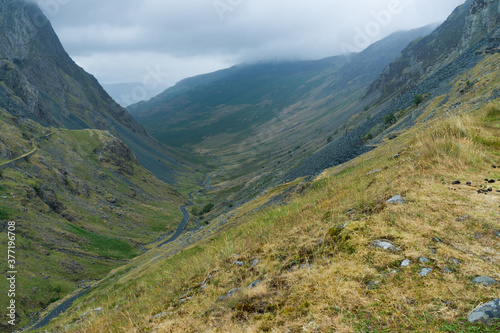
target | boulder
[
  {"x": 486, "y": 313},
  {"x": 484, "y": 280}
]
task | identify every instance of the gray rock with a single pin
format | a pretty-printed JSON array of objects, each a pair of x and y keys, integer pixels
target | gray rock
[
  {"x": 423, "y": 260},
  {"x": 447, "y": 270},
  {"x": 484, "y": 280},
  {"x": 159, "y": 315},
  {"x": 424, "y": 272},
  {"x": 229, "y": 294},
  {"x": 396, "y": 200},
  {"x": 238, "y": 263},
  {"x": 486, "y": 312},
  {"x": 184, "y": 300},
  {"x": 91, "y": 312},
  {"x": 454, "y": 261},
  {"x": 254, "y": 262},
  {"x": 374, "y": 171},
  {"x": 254, "y": 284},
  {"x": 385, "y": 245},
  {"x": 406, "y": 263}
]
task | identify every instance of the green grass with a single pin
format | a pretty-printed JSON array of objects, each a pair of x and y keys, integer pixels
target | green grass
[
  {"x": 4, "y": 213},
  {"x": 464, "y": 326},
  {"x": 105, "y": 246}
]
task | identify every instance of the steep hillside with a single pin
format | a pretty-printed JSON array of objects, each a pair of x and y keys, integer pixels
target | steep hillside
[
  {"x": 82, "y": 206},
  {"x": 427, "y": 67},
  {"x": 468, "y": 25},
  {"x": 341, "y": 253},
  {"x": 40, "y": 81}
]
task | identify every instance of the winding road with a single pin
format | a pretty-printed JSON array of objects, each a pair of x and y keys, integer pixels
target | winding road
[
  {"x": 61, "y": 308},
  {"x": 65, "y": 305},
  {"x": 184, "y": 222}
]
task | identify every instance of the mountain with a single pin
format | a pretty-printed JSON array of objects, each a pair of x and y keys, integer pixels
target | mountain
[
  {"x": 180, "y": 88},
  {"x": 399, "y": 233},
  {"x": 254, "y": 91},
  {"x": 41, "y": 82},
  {"x": 266, "y": 115}
]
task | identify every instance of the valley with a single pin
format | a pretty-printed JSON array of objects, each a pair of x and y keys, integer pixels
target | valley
[{"x": 355, "y": 193}]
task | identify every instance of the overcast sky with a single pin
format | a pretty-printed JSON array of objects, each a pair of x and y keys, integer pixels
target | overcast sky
[{"x": 125, "y": 40}]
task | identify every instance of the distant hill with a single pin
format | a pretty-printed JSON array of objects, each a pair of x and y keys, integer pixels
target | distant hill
[{"x": 245, "y": 96}]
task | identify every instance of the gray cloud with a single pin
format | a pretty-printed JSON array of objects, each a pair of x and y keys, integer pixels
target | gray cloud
[{"x": 117, "y": 40}]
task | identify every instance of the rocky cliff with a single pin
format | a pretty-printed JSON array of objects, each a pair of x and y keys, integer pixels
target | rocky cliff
[{"x": 466, "y": 26}]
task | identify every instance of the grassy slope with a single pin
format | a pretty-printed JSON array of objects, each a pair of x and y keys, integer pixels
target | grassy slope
[
  {"x": 315, "y": 278},
  {"x": 107, "y": 206}
]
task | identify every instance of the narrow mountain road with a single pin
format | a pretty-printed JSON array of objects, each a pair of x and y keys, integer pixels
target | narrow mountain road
[
  {"x": 183, "y": 223},
  {"x": 65, "y": 305},
  {"x": 61, "y": 308}
]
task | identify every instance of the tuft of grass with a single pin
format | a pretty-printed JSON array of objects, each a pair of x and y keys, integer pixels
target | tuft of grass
[{"x": 451, "y": 141}]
